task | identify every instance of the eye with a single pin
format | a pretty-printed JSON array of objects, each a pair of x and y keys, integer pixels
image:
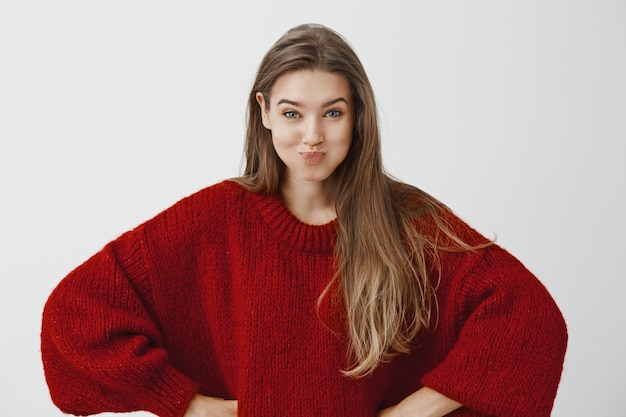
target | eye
[
  {"x": 333, "y": 113},
  {"x": 291, "y": 114}
]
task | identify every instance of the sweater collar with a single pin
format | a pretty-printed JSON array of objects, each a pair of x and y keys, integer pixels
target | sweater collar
[{"x": 291, "y": 230}]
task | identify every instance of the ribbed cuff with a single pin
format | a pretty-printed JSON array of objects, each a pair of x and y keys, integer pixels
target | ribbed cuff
[{"x": 170, "y": 395}]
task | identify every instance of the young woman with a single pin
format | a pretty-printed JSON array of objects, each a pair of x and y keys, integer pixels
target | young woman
[{"x": 313, "y": 285}]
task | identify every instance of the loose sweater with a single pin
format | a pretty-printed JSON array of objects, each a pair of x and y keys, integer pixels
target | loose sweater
[{"x": 218, "y": 295}]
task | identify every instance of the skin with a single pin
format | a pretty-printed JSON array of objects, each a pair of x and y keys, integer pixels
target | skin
[
  {"x": 311, "y": 118},
  {"x": 424, "y": 402},
  {"x": 201, "y": 406}
]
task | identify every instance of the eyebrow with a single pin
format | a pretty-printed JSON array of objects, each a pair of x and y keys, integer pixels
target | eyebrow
[{"x": 328, "y": 103}]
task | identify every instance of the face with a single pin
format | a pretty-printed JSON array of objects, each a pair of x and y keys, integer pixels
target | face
[{"x": 311, "y": 118}]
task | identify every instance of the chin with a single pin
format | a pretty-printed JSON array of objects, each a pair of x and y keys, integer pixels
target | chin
[{"x": 313, "y": 177}]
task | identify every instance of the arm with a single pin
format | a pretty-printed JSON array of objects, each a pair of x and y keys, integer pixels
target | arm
[
  {"x": 425, "y": 402},
  {"x": 101, "y": 349},
  {"x": 505, "y": 338}
]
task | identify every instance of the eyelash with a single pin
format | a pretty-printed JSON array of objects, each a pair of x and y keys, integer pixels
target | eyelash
[{"x": 294, "y": 115}]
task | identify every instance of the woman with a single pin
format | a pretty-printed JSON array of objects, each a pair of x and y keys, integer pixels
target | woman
[{"x": 313, "y": 285}]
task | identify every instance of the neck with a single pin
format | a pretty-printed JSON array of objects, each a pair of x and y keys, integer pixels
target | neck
[{"x": 308, "y": 201}]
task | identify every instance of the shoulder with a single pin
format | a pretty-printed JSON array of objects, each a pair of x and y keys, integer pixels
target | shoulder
[
  {"x": 204, "y": 211},
  {"x": 210, "y": 201},
  {"x": 434, "y": 221},
  {"x": 490, "y": 278},
  {"x": 475, "y": 264},
  {"x": 224, "y": 193}
]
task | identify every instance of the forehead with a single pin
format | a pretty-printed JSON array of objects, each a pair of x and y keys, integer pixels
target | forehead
[{"x": 310, "y": 87}]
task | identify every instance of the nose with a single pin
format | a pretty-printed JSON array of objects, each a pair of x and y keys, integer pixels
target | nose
[{"x": 312, "y": 135}]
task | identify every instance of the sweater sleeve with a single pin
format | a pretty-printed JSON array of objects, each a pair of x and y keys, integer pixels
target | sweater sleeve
[
  {"x": 508, "y": 355},
  {"x": 101, "y": 349}
]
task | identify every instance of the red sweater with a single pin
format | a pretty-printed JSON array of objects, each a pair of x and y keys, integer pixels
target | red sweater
[{"x": 217, "y": 295}]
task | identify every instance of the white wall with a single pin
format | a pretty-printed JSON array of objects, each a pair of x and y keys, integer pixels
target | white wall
[{"x": 513, "y": 113}]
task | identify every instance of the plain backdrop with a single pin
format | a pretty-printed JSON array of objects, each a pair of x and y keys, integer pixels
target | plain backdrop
[{"x": 512, "y": 113}]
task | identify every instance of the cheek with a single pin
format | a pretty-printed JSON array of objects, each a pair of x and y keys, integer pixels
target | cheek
[
  {"x": 282, "y": 141},
  {"x": 342, "y": 148},
  {"x": 347, "y": 134},
  {"x": 284, "y": 134}
]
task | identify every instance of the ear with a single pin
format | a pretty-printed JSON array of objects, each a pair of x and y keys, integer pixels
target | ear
[{"x": 264, "y": 111}]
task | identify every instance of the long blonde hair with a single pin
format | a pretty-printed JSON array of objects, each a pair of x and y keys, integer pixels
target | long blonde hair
[{"x": 383, "y": 264}]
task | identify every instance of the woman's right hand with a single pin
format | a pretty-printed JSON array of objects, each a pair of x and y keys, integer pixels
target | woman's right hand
[{"x": 201, "y": 406}]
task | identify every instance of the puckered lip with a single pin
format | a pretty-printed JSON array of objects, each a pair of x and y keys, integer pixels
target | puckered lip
[{"x": 312, "y": 157}]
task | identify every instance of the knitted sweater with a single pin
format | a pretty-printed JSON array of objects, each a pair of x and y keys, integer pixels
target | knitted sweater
[{"x": 218, "y": 293}]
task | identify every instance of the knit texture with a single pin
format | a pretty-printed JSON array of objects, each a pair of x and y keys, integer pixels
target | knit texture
[{"x": 218, "y": 294}]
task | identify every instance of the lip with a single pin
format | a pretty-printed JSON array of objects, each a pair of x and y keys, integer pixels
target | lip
[{"x": 312, "y": 158}]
